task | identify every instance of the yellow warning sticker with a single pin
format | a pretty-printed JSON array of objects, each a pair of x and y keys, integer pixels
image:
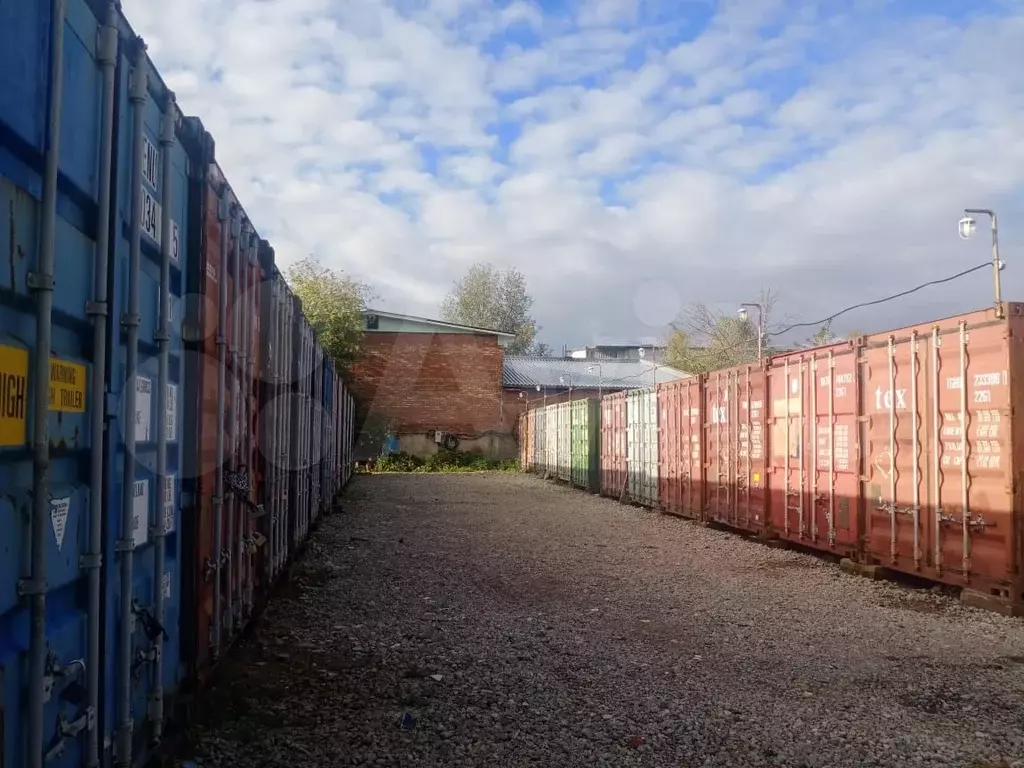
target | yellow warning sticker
[
  {"x": 13, "y": 395},
  {"x": 67, "y": 386}
]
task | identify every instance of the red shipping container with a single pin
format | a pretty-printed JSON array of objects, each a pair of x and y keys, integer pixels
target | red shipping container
[
  {"x": 680, "y": 453},
  {"x": 941, "y": 461},
  {"x": 613, "y": 444},
  {"x": 812, "y": 472},
  {"x": 233, "y": 562},
  {"x": 734, "y": 459}
]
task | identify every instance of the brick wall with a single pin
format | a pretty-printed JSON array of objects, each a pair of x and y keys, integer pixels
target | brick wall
[{"x": 446, "y": 381}]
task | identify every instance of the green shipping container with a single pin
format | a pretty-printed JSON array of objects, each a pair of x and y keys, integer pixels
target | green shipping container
[{"x": 586, "y": 444}]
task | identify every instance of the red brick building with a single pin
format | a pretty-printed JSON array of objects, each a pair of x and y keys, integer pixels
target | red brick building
[{"x": 426, "y": 377}]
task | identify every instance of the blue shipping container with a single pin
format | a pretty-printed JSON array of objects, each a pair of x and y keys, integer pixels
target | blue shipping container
[{"x": 73, "y": 708}]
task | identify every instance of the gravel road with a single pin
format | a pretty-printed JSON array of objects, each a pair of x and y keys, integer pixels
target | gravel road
[{"x": 499, "y": 620}]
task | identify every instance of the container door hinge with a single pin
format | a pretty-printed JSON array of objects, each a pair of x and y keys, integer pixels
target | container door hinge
[
  {"x": 39, "y": 282},
  {"x": 96, "y": 308}
]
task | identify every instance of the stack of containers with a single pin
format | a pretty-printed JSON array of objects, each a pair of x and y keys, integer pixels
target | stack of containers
[
  {"x": 125, "y": 581},
  {"x": 897, "y": 449}
]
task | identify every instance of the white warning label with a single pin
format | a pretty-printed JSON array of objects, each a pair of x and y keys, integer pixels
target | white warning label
[
  {"x": 140, "y": 512},
  {"x": 169, "y": 503},
  {"x": 143, "y": 408},
  {"x": 171, "y": 416},
  {"x": 59, "y": 509}
]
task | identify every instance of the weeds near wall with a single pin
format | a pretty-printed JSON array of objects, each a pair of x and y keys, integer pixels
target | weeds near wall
[{"x": 443, "y": 462}]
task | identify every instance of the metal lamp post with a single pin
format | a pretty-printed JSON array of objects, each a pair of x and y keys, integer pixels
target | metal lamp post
[
  {"x": 760, "y": 324},
  {"x": 967, "y": 227},
  {"x": 600, "y": 378}
]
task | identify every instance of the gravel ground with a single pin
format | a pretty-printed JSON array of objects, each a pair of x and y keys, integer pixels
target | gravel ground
[{"x": 498, "y": 620}]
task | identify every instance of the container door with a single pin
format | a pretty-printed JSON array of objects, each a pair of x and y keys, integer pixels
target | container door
[
  {"x": 24, "y": 58},
  {"x": 734, "y": 440},
  {"x": 944, "y": 396},
  {"x": 564, "y": 442},
  {"x": 834, "y": 491},
  {"x": 790, "y": 467},
  {"x": 679, "y": 454}
]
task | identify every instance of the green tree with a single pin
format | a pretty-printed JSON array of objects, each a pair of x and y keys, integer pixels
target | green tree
[
  {"x": 703, "y": 340},
  {"x": 490, "y": 298},
  {"x": 335, "y": 304},
  {"x": 823, "y": 336}
]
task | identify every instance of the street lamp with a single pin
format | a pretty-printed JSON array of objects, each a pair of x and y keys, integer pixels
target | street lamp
[
  {"x": 545, "y": 401},
  {"x": 760, "y": 324},
  {"x": 600, "y": 378},
  {"x": 967, "y": 226},
  {"x": 563, "y": 380},
  {"x": 642, "y": 353}
]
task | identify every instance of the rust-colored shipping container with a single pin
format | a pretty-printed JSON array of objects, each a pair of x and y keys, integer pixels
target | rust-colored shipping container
[
  {"x": 613, "y": 444},
  {"x": 224, "y": 311},
  {"x": 734, "y": 444},
  {"x": 942, "y": 450},
  {"x": 812, "y": 472},
  {"x": 680, "y": 452}
]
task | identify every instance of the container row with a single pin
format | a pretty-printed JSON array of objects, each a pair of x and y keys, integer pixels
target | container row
[
  {"x": 170, "y": 426},
  {"x": 899, "y": 449}
]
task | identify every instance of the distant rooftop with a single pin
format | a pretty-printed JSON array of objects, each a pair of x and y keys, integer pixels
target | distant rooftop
[
  {"x": 528, "y": 372},
  {"x": 378, "y": 321}
]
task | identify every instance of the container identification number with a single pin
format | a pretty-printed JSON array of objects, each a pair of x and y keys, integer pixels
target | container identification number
[{"x": 152, "y": 215}]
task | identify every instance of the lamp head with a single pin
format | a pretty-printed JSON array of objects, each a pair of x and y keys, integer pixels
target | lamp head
[{"x": 967, "y": 226}]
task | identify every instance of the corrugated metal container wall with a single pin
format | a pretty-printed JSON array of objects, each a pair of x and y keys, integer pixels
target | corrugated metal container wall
[
  {"x": 69, "y": 244},
  {"x": 563, "y": 442},
  {"x": 328, "y": 466},
  {"x": 812, "y": 477},
  {"x": 522, "y": 438},
  {"x": 222, "y": 415},
  {"x": 642, "y": 446},
  {"x": 350, "y": 435},
  {"x": 940, "y": 450},
  {"x": 586, "y": 445},
  {"x": 735, "y": 482},
  {"x": 540, "y": 446},
  {"x": 551, "y": 441},
  {"x": 613, "y": 445},
  {"x": 680, "y": 455}
]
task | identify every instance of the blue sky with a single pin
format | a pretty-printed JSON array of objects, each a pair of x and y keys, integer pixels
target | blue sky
[{"x": 630, "y": 157}]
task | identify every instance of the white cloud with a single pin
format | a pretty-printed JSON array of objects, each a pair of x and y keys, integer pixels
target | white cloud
[{"x": 825, "y": 153}]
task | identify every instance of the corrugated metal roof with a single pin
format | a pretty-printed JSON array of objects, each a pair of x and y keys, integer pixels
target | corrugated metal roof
[
  {"x": 439, "y": 323},
  {"x": 526, "y": 372}
]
